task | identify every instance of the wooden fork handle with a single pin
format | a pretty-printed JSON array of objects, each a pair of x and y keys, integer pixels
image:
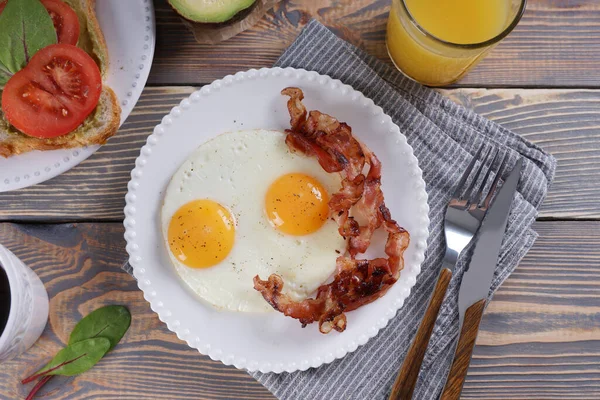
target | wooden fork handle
[
  {"x": 464, "y": 351},
  {"x": 407, "y": 377}
]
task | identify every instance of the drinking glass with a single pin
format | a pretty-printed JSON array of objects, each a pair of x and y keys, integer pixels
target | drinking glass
[{"x": 431, "y": 60}]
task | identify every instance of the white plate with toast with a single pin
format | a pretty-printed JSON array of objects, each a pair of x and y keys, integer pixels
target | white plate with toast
[
  {"x": 251, "y": 100},
  {"x": 129, "y": 30}
]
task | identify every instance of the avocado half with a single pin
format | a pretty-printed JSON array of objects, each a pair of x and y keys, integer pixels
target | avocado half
[{"x": 210, "y": 11}]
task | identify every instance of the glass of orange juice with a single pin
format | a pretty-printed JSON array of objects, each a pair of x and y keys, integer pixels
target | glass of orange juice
[{"x": 436, "y": 42}]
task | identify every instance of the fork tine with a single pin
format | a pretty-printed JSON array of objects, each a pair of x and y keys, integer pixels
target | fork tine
[
  {"x": 459, "y": 188},
  {"x": 469, "y": 192},
  {"x": 499, "y": 174},
  {"x": 477, "y": 199}
]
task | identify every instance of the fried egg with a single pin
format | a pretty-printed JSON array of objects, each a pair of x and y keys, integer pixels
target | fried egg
[{"x": 244, "y": 205}]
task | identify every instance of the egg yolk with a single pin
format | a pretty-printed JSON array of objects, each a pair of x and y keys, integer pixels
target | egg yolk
[
  {"x": 297, "y": 204},
  {"x": 201, "y": 233}
]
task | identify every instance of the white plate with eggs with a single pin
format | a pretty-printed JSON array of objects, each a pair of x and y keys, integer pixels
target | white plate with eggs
[{"x": 221, "y": 154}]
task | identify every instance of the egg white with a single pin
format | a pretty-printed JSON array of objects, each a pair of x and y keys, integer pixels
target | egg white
[{"x": 236, "y": 169}]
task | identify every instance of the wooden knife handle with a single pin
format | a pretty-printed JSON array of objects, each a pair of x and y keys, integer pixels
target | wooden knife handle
[
  {"x": 464, "y": 351},
  {"x": 407, "y": 377}
]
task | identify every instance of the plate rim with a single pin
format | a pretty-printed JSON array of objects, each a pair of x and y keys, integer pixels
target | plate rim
[
  {"x": 75, "y": 156},
  {"x": 419, "y": 239}
]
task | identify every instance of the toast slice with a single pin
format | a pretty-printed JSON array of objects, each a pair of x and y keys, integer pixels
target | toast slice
[{"x": 101, "y": 124}]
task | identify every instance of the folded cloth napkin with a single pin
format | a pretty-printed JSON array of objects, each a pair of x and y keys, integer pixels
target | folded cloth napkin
[{"x": 444, "y": 137}]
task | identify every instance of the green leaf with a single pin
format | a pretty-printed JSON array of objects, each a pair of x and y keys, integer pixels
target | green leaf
[
  {"x": 25, "y": 28},
  {"x": 76, "y": 358},
  {"x": 110, "y": 322},
  {"x": 5, "y": 75}
]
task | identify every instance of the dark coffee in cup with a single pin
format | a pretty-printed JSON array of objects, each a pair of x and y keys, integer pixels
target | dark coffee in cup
[{"x": 4, "y": 299}]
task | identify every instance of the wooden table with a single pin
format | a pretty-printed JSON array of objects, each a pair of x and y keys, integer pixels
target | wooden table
[{"x": 540, "y": 337}]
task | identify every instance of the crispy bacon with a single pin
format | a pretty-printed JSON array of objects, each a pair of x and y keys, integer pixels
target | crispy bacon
[
  {"x": 343, "y": 147},
  {"x": 298, "y": 142},
  {"x": 319, "y": 134},
  {"x": 341, "y": 202},
  {"x": 368, "y": 207},
  {"x": 295, "y": 105},
  {"x": 358, "y": 208}
]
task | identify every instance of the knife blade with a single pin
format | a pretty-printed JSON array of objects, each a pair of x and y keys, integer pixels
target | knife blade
[{"x": 478, "y": 278}]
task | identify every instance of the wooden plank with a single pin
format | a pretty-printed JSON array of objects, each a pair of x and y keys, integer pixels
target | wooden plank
[
  {"x": 539, "y": 337},
  {"x": 565, "y": 122},
  {"x": 557, "y": 43},
  {"x": 80, "y": 268}
]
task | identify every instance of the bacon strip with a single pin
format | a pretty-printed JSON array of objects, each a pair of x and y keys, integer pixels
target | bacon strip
[
  {"x": 295, "y": 105},
  {"x": 357, "y": 282},
  {"x": 341, "y": 202}
]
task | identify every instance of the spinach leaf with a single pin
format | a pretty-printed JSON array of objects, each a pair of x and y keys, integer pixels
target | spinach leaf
[
  {"x": 25, "y": 28},
  {"x": 110, "y": 322},
  {"x": 93, "y": 337},
  {"x": 76, "y": 358}
]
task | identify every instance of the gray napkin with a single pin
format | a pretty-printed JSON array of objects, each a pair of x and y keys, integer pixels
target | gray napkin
[{"x": 444, "y": 137}]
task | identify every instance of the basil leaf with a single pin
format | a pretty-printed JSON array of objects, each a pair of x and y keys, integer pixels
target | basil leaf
[
  {"x": 110, "y": 322},
  {"x": 25, "y": 28},
  {"x": 76, "y": 358}
]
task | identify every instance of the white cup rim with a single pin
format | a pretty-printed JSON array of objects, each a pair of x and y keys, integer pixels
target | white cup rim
[{"x": 7, "y": 264}]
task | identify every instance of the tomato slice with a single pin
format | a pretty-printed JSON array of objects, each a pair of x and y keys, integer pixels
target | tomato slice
[
  {"x": 65, "y": 21},
  {"x": 54, "y": 93},
  {"x": 64, "y": 18}
]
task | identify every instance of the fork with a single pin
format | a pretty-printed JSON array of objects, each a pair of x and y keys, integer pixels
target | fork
[{"x": 464, "y": 214}]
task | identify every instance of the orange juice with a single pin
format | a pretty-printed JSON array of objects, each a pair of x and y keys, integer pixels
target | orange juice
[
  {"x": 461, "y": 21},
  {"x": 436, "y": 41}
]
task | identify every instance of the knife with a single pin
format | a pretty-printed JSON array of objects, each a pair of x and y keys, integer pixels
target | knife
[{"x": 476, "y": 282}]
